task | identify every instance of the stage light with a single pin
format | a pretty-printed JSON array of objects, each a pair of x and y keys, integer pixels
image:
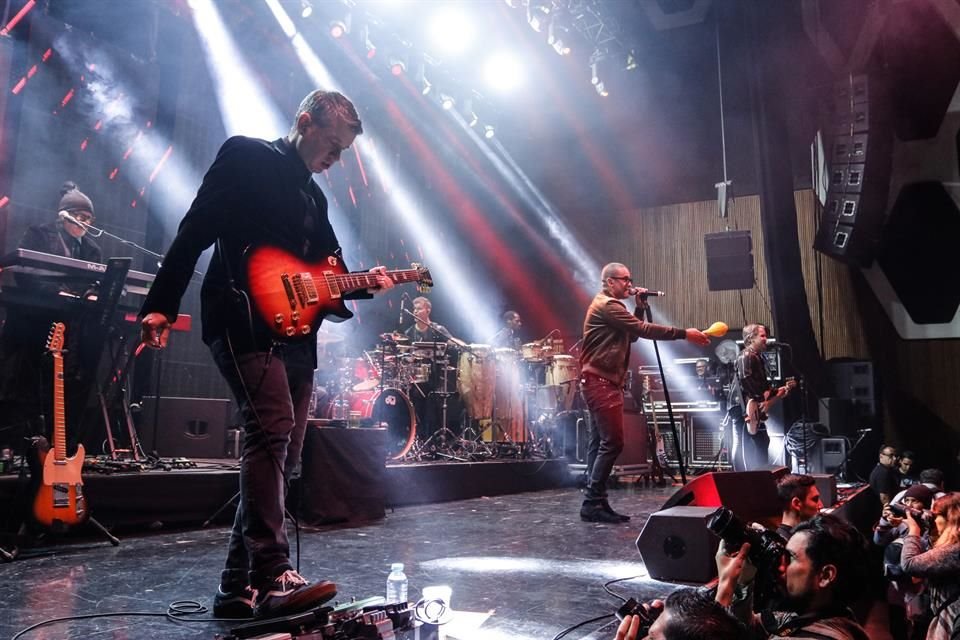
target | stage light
[
  {"x": 594, "y": 78},
  {"x": 340, "y": 27},
  {"x": 472, "y": 119},
  {"x": 451, "y": 30},
  {"x": 447, "y": 102},
  {"x": 558, "y": 38},
  {"x": 306, "y": 8},
  {"x": 631, "y": 60},
  {"x": 537, "y": 13},
  {"x": 426, "y": 86},
  {"x": 502, "y": 72},
  {"x": 601, "y": 89},
  {"x": 489, "y": 131},
  {"x": 367, "y": 43},
  {"x": 397, "y": 66}
]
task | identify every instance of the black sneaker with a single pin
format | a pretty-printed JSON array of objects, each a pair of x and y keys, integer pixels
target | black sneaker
[
  {"x": 596, "y": 513},
  {"x": 606, "y": 507},
  {"x": 234, "y": 603},
  {"x": 291, "y": 593}
]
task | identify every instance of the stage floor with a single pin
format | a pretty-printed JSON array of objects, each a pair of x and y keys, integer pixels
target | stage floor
[{"x": 524, "y": 565}]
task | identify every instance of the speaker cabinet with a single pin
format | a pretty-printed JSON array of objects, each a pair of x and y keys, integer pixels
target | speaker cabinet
[
  {"x": 828, "y": 456},
  {"x": 676, "y": 545},
  {"x": 827, "y": 485},
  {"x": 729, "y": 260},
  {"x": 853, "y": 380},
  {"x": 634, "y": 439},
  {"x": 186, "y": 427},
  {"x": 860, "y": 160},
  {"x": 752, "y": 495}
]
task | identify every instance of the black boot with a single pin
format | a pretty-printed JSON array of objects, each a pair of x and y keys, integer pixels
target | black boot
[
  {"x": 609, "y": 509},
  {"x": 593, "y": 511}
]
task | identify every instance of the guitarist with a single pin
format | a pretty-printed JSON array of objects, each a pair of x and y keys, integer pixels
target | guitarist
[
  {"x": 750, "y": 383},
  {"x": 259, "y": 193}
]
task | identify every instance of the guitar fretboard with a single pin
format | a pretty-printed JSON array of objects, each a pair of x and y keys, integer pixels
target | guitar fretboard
[{"x": 356, "y": 281}]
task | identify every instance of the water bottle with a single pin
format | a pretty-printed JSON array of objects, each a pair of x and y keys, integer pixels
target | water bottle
[{"x": 396, "y": 584}]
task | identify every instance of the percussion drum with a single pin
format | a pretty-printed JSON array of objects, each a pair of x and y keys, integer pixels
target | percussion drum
[
  {"x": 561, "y": 384},
  {"x": 421, "y": 373},
  {"x": 476, "y": 375},
  {"x": 532, "y": 351},
  {"x": 508, "y": 400}
]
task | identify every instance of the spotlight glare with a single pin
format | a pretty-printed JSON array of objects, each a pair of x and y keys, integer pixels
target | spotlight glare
[
  {"x": 306, "y": 9},
  {"x": 602, "y": 90},
  {"x": 446, "y": 102},
  {"x": 488, "y": 131},
  {"x": 451, "y": 30},
  {"x": 426, "y": 87},
  {"x": 474, "y": 119},
  {"x": 338, "y": 28},
  {"x": 502, "y": 72},
  {"x": 397, "y": 67}
]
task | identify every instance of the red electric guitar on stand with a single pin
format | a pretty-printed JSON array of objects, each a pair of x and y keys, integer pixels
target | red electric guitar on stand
[{"x": 292, "y": 297}]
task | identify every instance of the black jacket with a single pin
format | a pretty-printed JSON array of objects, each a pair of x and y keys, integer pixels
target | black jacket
[
  {"x": 255, "y": 193},
  {"x": 51, "y": 238}
]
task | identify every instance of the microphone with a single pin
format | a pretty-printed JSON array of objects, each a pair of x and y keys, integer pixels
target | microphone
[
  {"x": 65, "y": 215},
  {"x": 640, "y": 291}
]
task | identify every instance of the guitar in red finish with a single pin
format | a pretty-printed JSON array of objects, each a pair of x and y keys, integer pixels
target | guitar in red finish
[
  {"x": 292, "y": 296},
  {"x": 59, "y": 500}
]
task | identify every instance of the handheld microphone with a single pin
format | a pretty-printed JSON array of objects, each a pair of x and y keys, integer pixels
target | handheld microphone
[{"x": 640, "y": 291}]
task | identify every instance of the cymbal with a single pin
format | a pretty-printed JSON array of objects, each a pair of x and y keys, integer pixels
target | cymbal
[
  {"x": 325, "y": 337},
  {"x": 394, "y": 336}
]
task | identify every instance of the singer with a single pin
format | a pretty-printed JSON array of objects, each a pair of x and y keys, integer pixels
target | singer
[
  {"x": 272, "y": 382},
  {"x": 63, "y": 237},
  {"x": 608, "y": 331}
]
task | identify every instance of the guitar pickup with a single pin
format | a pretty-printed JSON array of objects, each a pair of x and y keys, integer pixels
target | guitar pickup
[
  {"x": 310, "y": 288},
  {"x": 299, "y": 289},
  {"x": 288, "y": 289},
  {"x": 332, "y": 286}
]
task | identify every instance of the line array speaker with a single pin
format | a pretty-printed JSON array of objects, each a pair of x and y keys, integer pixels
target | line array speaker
[{"x": 729, "y": 260}]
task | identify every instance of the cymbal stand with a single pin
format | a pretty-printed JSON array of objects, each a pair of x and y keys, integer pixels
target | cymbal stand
[{"x": 444, "y": 435}]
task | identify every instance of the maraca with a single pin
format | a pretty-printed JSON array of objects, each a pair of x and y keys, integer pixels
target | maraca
[{"x": 717, "y": 330}]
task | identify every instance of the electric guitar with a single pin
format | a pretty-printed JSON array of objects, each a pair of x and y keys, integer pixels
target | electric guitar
[
  {"x": 661, "y": 466},
  {"x": 59, "y": 500},
  {"x": 292, "y": 296},
  {"x": 756, "y": 412}
]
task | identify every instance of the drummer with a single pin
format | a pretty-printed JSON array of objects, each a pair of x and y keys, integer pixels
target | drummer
[
  {"x": 509, "y": 335},
  {"x": 422, "y": 331}
]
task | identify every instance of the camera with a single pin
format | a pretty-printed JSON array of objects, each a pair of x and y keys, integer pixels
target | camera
[
  {"x": 767, "y": 550},
  {"x": 924, "y": 518},
  {"x": 633, "y": 608}
]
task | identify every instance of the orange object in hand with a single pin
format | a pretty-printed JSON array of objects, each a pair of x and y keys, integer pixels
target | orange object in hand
[{"x": 717, "y": 330}]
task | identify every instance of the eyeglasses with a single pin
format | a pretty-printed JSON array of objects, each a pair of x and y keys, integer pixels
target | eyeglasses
[
  {"x": 624, "y": 278},
  {"x": 82, "y": 216},
  {"x": 889, "y": 454}
]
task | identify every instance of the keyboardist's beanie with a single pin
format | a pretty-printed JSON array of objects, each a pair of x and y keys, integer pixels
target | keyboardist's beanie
[{"x": 72, "y": 199}]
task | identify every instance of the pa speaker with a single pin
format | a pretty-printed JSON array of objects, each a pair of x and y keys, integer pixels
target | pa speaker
[
  {"x": 634, "y": 439},
  {"x": 752, "y": 495},
  {"x": 860, "y": 160},
  {"x": 186, "y": 427},
  {"x": 676, "y": 545},
  {"x": 729, "y": 260}
]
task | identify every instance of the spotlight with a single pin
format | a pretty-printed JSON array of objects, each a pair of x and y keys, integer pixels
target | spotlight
[
  {"x": 594, "y": 78},
  {"x": 469, "y": 114},
  {"x": 556, "y": 34},
  {"x": 631, "y": 60},
  {"x": 488, "y": 131},
  {"x": 602, "y": 90},
  {"x": 503, "y": 72},
  {"x": 397, "y": 66},
  {"x": 426, "y": 87},
  {"x": 340, "y": 27},
  {"x": 367, "y": 43},
  {"x": 306, "y": 8},
  {"x": 537, "y": 13},
  {"x": 447, "y": 102},
  {"x": 451, "y": 30},
  {"x": 473, "y": 119}
]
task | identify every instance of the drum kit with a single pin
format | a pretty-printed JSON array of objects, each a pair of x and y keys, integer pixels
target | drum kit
[{"x": 508, "y": 396}]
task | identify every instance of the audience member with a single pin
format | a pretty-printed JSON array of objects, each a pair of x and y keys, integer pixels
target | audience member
[
  {"x": 940, "y": 566},
  {"x": 824, "y": 571},
  {"x": 687, "y": 614},
  {"x": 930, "y": 478},
  {"x": 884, "y": 479},
  {"x": 799, "y": 500},
  {"x": 905, "y": 468}
]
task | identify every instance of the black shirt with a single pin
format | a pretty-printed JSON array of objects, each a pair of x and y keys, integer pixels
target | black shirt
[
  {"x": 884, "y": 480},
  {"x": 750, "y": 380},
  {"x": 430, "y": 335},
  {"x": 255, "y": 193}
]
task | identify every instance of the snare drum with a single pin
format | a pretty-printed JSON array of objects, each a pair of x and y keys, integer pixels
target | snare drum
[{"x": 476, "y": 375}]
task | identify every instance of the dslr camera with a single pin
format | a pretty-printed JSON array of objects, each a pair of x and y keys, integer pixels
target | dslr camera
[
  {"x": 924, "y": 518},
  {"x": 767, "y": 550}
]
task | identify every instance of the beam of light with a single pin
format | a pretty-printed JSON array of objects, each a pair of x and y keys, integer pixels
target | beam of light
[
  {"x": 503, "y": 72},
  {"x": 15, "y": 20},
  {"x": 600, "y": 569},
  {"x": 464, "y": 294},
  {"x": 451, "y": 30}
]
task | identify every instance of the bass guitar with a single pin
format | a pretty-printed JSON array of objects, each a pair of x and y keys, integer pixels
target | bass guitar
[
  {"x": 292, "y": 296},
  {"x": 757, "y": 410},
  {"x": 59, "y": 501}
]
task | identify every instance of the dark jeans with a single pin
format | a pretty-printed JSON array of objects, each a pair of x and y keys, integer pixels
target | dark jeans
[
  {"x": 604, "y": 399},
  {"x": 273, "y": 392},
  {"x": 749, "y": 452}
]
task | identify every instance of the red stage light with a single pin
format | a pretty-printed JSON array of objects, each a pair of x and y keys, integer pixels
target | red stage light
[
  {"x": 4, "y": 201},
  {"x": 17, "y": 18}
]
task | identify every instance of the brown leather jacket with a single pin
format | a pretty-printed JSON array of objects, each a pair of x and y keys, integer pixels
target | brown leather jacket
[{"x": 608, "y": 331}]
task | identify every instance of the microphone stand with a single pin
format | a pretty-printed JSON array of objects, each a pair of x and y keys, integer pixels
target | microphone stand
[
  {"x": 644, "y": 306},
  {"x": 96, "y": 232}
]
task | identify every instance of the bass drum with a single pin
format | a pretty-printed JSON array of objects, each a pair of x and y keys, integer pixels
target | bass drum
[{"x": 392, "y": 409}]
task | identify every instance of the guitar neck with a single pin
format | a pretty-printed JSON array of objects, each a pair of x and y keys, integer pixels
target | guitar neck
[
  {"x": 59, "y": 412},
  {"x": 348, "y": 282}
]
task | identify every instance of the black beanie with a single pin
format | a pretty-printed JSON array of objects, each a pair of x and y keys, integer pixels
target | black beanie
[{"x": 73, "y": 199}]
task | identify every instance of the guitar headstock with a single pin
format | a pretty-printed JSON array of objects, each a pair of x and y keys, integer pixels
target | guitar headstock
[
  {"x": 424, "y": 279},
  {"x": 55, "y": 338}
]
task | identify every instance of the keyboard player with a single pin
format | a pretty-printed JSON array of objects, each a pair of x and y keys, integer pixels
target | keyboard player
[{"x": 24, "y": 383}]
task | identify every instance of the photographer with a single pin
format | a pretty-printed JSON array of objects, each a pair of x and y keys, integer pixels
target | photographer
[
  {"x": 940, "y": 565},
  {"x": 687, "y": 614},
  {"x": 822, "y": 573}
]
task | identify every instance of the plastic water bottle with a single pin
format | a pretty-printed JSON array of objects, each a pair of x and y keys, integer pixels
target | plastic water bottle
[{"x": 396, "y": 584}]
